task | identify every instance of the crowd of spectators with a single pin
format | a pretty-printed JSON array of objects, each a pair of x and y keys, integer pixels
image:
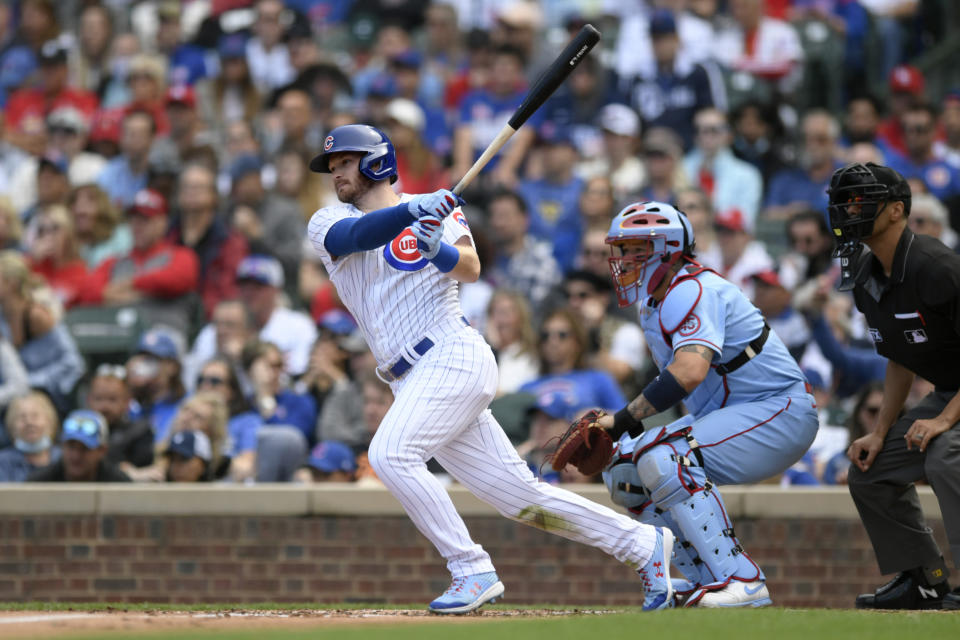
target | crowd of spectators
[{"x": 163, "y": 319}]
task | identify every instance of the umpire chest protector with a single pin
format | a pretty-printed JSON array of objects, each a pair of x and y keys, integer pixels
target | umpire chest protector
[{"x": 914, "y": 314}]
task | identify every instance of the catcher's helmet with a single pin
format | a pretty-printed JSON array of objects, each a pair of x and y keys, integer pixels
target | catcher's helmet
[
  {"x": 379, "y": 161},
  {"x": 646, "y": 239},
  {"x": 858, "y": 194}
]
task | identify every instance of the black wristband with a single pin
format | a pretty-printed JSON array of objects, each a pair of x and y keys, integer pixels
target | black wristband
[{"x": 624, "y": 422}]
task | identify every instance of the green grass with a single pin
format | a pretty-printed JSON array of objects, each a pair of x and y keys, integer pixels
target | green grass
[{"x": 739, "y": 624}]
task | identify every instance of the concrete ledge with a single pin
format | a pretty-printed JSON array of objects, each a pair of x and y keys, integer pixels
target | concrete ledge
[{"x": 753, "y": 501}]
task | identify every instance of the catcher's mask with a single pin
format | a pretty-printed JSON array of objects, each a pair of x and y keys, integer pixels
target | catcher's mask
[
  {"x": 858, "y": 195},
  {"x": 646, "y": 239}
]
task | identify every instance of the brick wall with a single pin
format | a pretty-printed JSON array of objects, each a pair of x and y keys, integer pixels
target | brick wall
[{"x": 810, "y": 562}]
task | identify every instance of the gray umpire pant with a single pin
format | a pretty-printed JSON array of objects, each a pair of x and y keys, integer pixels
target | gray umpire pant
[{"x": 887, "y": 499}]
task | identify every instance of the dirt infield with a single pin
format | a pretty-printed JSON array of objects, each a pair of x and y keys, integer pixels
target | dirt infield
[{"x": 58, "y": 624}]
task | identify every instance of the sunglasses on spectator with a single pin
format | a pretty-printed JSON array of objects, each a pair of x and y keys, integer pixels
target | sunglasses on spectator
[
  {"x": 918, "y": 128},
  {"x": 803, "y": 241},
  {"x": 712, "y": 129},
  {"x": 112, "y": 371},
  {"x": 560, "y": 335},
  {"x": 213, "y": 381},
  {"x": 81, "y": 425},
  {"x": 67, "y": 131},
  {"x": 579, "y": 295},
  {"x": 595, "y": 252}
]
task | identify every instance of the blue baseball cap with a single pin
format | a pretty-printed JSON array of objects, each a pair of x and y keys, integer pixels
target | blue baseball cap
[
  {"x": 555, "y": 405},
  {"x": 191, "y": 444},
  {"x": 662, "y": 22},
  {"x": 382, "y": 86},
  {"x": 56, "y": 161},
  {"x": 815, "y": 378},
  {"x": 86, "y": 427},
  {"x": 337, "y": 321},
  {"x": 232, "y": 45},
  {"x": 244, "y": 165},
  {"x": 262, "y": 269},
  {"x": 160, "y": 342},
  {"x": 330, "y": 456},
  {"x": 409, "y": 59},
  {"x": 552, "y": 134}
]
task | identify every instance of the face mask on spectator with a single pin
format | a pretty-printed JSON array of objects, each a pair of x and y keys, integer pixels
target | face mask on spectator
[{"x": 32, "y": 447}]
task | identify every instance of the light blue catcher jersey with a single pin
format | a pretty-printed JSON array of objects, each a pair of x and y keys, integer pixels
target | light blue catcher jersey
[{"x": 706, "y": 309}]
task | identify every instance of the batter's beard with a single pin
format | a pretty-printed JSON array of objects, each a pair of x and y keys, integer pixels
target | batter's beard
[{"x": 357, "y": 191}]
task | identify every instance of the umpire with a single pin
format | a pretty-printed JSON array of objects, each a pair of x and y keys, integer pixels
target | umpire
[{"x": 908, "y": 287}]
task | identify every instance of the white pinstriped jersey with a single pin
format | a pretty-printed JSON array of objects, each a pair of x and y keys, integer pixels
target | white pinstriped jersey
[{"x": 394, "y": 293}]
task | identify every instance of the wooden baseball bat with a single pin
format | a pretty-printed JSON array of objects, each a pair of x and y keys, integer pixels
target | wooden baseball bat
[{"x": 558, "y": 71}]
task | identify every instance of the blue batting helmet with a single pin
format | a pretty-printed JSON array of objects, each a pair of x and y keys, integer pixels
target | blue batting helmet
[{"x": 379, "y": 161}]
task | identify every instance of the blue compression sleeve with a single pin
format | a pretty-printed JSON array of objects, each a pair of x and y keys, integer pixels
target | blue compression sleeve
[
  {"x": 367, "y": 232},
  {"x": 447, "y": 258},
  {"x": 664, "y": 391}
]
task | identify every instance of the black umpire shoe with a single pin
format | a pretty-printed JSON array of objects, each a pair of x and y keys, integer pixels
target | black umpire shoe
[
  {"x": 951, "y": 601},
  {"x": 908, "y": 590}
]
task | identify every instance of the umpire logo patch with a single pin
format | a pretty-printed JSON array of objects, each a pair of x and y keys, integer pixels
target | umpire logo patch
[
  {"x": 915, "y": 336},
  {"x": 875, "y": 335}
]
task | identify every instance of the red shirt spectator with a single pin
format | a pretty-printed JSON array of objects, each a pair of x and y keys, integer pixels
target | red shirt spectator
[
  {"x": 52, "y": 92},
  {"x": 52, "y": 253},
  {"x": 218, "y": 248},
  {"x": 154, "y": 268}
]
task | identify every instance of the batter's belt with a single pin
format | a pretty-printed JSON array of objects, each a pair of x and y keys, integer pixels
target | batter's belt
[{"x": 413, "y": 352}]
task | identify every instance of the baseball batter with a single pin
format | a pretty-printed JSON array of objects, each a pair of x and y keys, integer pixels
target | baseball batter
[
  {"x": 750, "y": 411},
  {"x": 395, "y": 262}
]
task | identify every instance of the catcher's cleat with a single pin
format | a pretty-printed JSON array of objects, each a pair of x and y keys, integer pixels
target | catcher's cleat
[
  {"x": 908, "y": 590},
  {"x": 657, "y": 585},
  {"x": 468, "y": 593},
  {"x": 733, "y": 594},
  {"x": 682, "y": 589}
]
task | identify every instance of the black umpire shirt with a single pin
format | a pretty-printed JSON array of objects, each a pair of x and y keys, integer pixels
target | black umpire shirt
[{"x": 914, "y": 315}]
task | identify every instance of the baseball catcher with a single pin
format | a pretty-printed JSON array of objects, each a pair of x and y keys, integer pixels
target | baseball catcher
[{"x": 751, "y": 414}]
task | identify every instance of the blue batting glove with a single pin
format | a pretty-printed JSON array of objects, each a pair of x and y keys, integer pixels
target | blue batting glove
[
  {"x": 429, "y": 231},
  {"x": 440, "y": 203}
]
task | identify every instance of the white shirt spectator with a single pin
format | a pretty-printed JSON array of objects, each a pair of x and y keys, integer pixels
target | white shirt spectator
[
  {"x": 777, "y": 51},
  {"x": 754, "y": 259},
  {"x": 516, "y": 368},
  {"x": 269, "y": 69},
  {"x": 292, "y": 331},
  {"x": 634, "y": 49}
]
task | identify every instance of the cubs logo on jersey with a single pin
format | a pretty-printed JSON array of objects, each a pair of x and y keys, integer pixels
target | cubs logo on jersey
[
  {"x": 402, "y": 253},
  {"x": 462, "y": 219}
]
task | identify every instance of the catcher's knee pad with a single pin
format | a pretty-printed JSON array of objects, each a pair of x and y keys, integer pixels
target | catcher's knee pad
[
  {"x": 680, "y": 488},
  {"x": 624, "y": 484}
]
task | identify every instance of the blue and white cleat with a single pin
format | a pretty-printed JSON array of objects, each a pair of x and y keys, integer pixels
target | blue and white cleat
[
  {"x": 468, "y": 593},
  {"x": 657, "y": 585},
  {"x": 734, "y": 594}
]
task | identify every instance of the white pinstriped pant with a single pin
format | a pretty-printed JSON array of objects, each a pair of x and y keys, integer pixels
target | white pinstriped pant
[{"x": 440, "y": 410}]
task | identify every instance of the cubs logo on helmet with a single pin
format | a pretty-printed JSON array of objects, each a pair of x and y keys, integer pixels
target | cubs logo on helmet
[
  {"x": 402, "y": 253},
  {"x": 327, "y": 143}
]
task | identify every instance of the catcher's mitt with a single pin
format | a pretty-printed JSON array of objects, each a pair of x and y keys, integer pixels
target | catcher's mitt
[{"x": 586, "y": 445}]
